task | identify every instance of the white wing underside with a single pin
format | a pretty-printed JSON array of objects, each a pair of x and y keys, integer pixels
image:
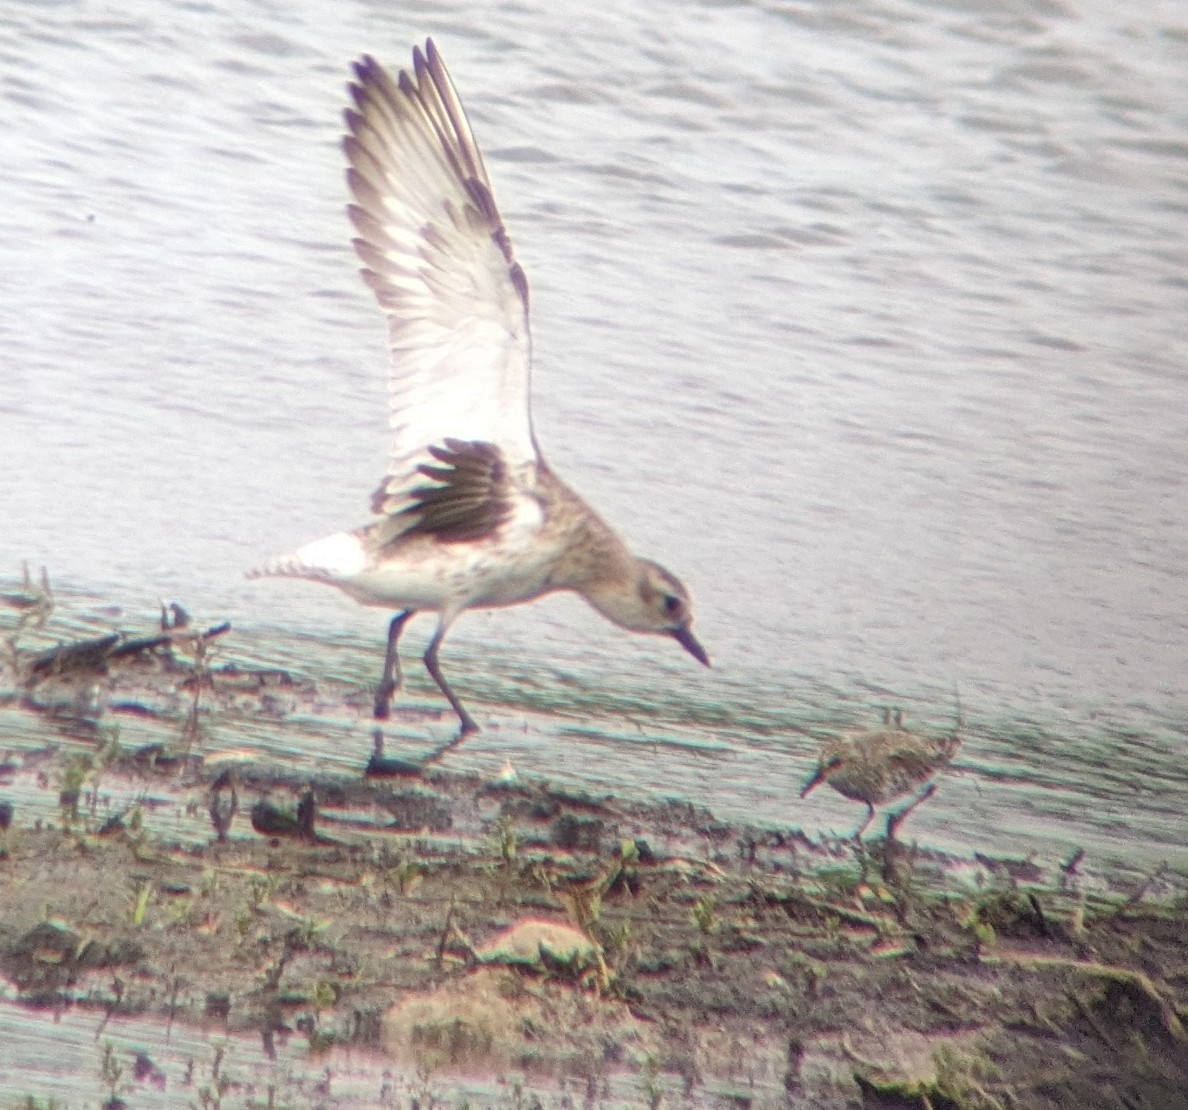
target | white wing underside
[{"x": 439, "y": 261}]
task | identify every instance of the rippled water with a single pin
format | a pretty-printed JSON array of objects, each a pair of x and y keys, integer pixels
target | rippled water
[{"x": 867, "y": 320}]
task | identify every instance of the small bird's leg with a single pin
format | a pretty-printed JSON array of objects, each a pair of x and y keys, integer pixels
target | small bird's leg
[
  {"x": 390, "y": 680},
  {"x": 468, "y": 725},
  {"x": 897, "y": 819},
  {"x": 869, "y": 819}
]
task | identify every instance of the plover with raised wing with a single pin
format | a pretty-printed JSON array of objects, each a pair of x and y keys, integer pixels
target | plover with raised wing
[
  {"x": 879, "y": 765},
  {"x": 469, "y": 513}
]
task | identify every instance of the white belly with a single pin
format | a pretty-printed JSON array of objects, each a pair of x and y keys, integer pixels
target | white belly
[
  {"x": 450, "y": 576},
  {"x": 418, "y": 572}
]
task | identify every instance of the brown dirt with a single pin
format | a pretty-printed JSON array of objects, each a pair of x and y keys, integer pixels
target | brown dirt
[{"x": 374, "y": 910}]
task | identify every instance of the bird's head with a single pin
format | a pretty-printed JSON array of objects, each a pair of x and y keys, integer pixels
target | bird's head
[
  {"x": 830, "y": 762},
  {"x": 650, "y": 599}
]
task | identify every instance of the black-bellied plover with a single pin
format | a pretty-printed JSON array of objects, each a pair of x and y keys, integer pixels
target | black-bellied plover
[
  {"x": 879, "y": 765},
  {"x": 469, "y": 513}
]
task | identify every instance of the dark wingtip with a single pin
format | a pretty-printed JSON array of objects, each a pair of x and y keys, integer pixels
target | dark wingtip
[{"x": 364, "y": 68}]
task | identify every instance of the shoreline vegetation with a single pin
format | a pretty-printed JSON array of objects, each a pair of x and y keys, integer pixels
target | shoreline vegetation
[{"x": 560, "y": 944}]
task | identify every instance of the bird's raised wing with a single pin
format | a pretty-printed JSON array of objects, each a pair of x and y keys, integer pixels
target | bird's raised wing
[{"x": 439, "y": 260}]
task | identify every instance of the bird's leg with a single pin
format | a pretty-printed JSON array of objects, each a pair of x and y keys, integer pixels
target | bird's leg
[
  {"x": 869, "y": 819},
  {"x": 897, "y": 819},
  {"x": 390, "y": 680},
  {"x": 468, "y": 725}
]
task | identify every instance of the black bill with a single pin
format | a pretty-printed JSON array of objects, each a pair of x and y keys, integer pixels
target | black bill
[{"x": 687, "y": 640}]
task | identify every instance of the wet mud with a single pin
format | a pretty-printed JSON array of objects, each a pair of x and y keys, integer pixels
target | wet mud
[{"x": 558, "y": 940}]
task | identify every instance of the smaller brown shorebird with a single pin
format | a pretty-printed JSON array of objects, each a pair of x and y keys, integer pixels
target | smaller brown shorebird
[{"x": 879, "y": 765}]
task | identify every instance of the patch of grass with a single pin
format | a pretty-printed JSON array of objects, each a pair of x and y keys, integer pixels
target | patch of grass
[
  {"x": 140, "y": 903},
  {"x": 704, "y": 915},
  {"x": 960, "y": 1077},
  {"x": 406, "y": 875},
  {"x": 111, "y": 1073},
  {"x": 70, "y": 784}
]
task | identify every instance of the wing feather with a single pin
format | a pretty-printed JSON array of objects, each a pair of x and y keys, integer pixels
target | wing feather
[{"x": 440, "y": 263}]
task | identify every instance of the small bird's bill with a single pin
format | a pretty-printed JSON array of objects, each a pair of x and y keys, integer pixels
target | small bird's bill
[
  {"x": 818, "y": 777},
  {"x": 687, "y": 640}
]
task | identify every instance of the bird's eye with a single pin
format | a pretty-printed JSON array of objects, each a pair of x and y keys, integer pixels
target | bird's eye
[{"x": 672, "y": 605}]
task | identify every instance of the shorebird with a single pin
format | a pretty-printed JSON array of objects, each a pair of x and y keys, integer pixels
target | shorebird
[
  {"x": 879, "y": 765},
  {"x": 469, "y": 513}
]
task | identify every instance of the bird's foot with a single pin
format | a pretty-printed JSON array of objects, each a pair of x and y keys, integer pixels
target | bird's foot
[{"x": 897, "y": 819}]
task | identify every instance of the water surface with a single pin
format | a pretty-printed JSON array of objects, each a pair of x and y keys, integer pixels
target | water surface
[{"x": 867, "y": 322}]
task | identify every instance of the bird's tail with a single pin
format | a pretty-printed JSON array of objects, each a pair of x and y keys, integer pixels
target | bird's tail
[{"x": 333, "y": 559}]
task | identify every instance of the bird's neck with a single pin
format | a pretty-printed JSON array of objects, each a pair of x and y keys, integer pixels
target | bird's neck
[{"x": 595, "y": 563}]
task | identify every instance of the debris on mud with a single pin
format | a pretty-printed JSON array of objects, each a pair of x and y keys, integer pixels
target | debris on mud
[{"x": 498, "y": 925}]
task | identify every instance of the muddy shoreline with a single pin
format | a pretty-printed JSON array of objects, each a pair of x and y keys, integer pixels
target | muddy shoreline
[{"x": 447, "y": 923}]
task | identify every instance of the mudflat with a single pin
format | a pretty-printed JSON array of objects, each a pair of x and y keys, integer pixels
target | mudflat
[{"x": 561, "y": 945}]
